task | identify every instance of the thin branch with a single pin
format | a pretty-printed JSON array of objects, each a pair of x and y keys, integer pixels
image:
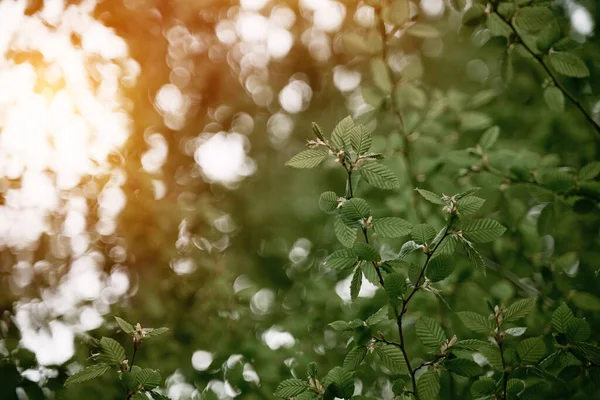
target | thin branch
[
  {"x": 504, "y": 372},
  {"x": 552, "y": 75}
]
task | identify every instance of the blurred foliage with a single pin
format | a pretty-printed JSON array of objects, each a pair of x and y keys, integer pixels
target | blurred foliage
[{"x": 477, "y": 97}]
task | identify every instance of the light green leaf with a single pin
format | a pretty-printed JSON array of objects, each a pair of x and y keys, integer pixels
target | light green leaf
[
  {"x": 408, "y": 248},
  {"x": 372, "y": 95},
  {"x": 396, "y": 12},
  {"x": 308, "y": 158},
  {"x": 423, "y": 31},
  {"x": 341, "y": 260},
  {"x": 428, "y": 385},
  {"x": 345, "y": 234},
  {"x": 467, "y": 192},
  {"x": 565, "y": 44},
  {"x": 354, "y": 210},
  {"x": 458, "y": 5},
  {"x": 561, "y": 317},
  {"x": 497, "y": 26},
  {"x": 422, "y": 233},
  {"x": 291, "y": 387},
  {"x": 340, "y": 326},
  {"x": 366, "y": 252},
  {"x": 360, "y": 139},
  {"x": 381, "y": 76},
  {"x": 379, "y": 316},
  {"x": 516, "y": 331},
  {"x": 342, "y": 382},
  {"x": 355, "y": 357},
  {"x": 128, "y": 378},
  {"x": 391, "y": 227},
  {"x": 531, "y": 350},
  {"x": 474, "y": 121},
  {"x": 111, "y": 351},
  {"x": 148, "y": 379},
  {"x": 429, "y": 332},
  {"x": 370, "y": 273},
  {"x": 568, "y": 64},
  {"x": 328, "y": 202},
  {"x": 532, "y": 19},
  {"x": 482, "y": 230},
  {"x": 519, "y": 309},
  {"x": 475, "y": 322},
  {"x": 152, "y": 332},
  {"x": 589, "y": 171},
  {"x": 430, "y": 196},
  {"x": 555, "y": 100},
  {"x": 340, "y": 137},
  {"x": 585, "y": 301},
  {"x": 448, "y": 245},
  {"x": 392, "y": 359},
  {"x": 379, "y": 175},
  {"x": 125, "y": 326},
  {"x": 395, "y": 284},
  {"x": 87, "y": 374},
  {"x": 469, "y": 205},
  {"x": 439, "y": 267},
  {"x": 489, "y": 138},
  {"x": 463, "y": 367},
  {"x": 355, "y": 284}
]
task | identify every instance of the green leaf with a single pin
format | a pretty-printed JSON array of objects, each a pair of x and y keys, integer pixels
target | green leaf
[
  {"x": 428, "y": 385},
  {"x": 408, "y": 248},
  {"x": 308, "y": 158},
  {"x": 291, "y": 387},
  {"x": 489, "y": 138},
  {"x": 328, "y": 202},
  {"x": 366, "y": 252},
  {"x": 546, "y": 220},
  {"x": 463, "y": 367},
  {"x": 111, "y": 351},
  {"x": 482, "y": 230},
  {"x": 475, "y": 322},
  {"x": 555, "y": 100},
  {"x": 360, "y": 139},
  {"x": 531, "y": 350},
  {"x": 430, "y": 196},
  {"x": 158, "y": 396},
  {"x": 378, "y": 175},
  {"x": 587, "y": 351},
  {"x": 125, "y": 326},
  {"x": 340, "y": 137},
  {"x": 422, "y": 233},
  {"x": 345, "y": 234},
  {"x": 429, "y": 332},
  {"x": 589, "y": 171},
  {"x": 532, "y": 19},
  {"x": 340, "y": 326},
  {"x": 483, "y": 388},
  {"x": 150, "y": 332},
  {"x": 381, "y": 77},
  {"x": 469, "y": 205},
  {"x": 560, "y": 318},
  {"x": 569, "y": 65},
  {"x": 354, "y": 211},
  {"x": 558, "y": 180},
  {"x": 519, "y": 309},
  {"x": 472, "y": 344},
  {"x": 458, "y": 5},
  {"x": 467, "y": 192},
  {"x": 395, "y": 284},
  {"x": 439, "y": 267},
  {"x": 391, "y": 227},
  {"x": 448, "y": 245},
  {"x": 341, "y": 382},
  {"x": 379, "y": 316},
  {"x": 578, "y": 330},
  {"x": 474, "y": 121},
  {"x": 341, "y": 260},
  {"x": 565, "y": 44},
  {"x": 318, "y": 131},
  {"x": 370, "y": 273},
  {"x": 514, "y": 386},
  {"x": 497, "y": 26},
  {"x": 148, "y": 379},
  {"x": 128, "y": 378},
  {"x": 585, "y": 301},
  {"x": 474, "y": 257},
  {"x": 312, "y": 369},
  {"x": 372, "y": 95},
  {"x": 355, "y": 357},
  {"x": 423, "y": 31},
  {"x": 355, "y": 284},
  {"x": 474, "y": 15},
  {"x": 392, "y": 358},
  {"x": 87, "y": 374}
]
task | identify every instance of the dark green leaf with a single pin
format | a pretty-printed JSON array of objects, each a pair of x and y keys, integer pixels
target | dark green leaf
[
  {"x": 88, "y": 373},
  {"x": 422, "y": 233},
  {"x": 463, "y": 367},
  {"x": 379, "y": 175},
  {"x": 475, "y": 322},
  {"x": 111, "y": 351},
  {"x": 341, "y": 260},
  {"x": 395, "y": 284},
  {"x": 428, "y": 385},
  {"x": 569, "y": 65},
  {"x": 429, "y": 332},
  {"x": 531, "y": 350},
  {"x": 482, "y": 230},
  {"x": 355, "y": 284},
  {"x": 392, "y": 359},
  {"x": 355, "y": 357},
  {"x": 519, "y": 309},
  {"x": 290, "y": 388},
  {"x": 391, "y": 227}
]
